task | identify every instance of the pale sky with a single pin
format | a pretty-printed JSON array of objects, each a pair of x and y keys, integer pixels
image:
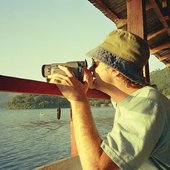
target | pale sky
[{"x": 37, "y": 32}]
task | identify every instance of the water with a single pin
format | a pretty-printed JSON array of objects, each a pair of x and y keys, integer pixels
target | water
[{"x": 31, "y": 138}]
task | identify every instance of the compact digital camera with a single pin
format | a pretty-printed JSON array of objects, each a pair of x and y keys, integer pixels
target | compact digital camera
[{"x": 75, "y": 66}]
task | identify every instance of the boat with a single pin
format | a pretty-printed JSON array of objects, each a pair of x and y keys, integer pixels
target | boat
[
  {"x": 150, "y": 19},
  {"x": 71, "y": 163}
]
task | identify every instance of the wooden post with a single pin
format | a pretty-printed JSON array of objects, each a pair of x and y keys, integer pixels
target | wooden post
[{"x": 136, "y": 23}]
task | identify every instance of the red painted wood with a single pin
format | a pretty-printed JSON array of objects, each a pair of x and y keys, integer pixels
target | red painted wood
[
  {"x": 12, "y": 84},
  {"x": 18, "y": 85}
]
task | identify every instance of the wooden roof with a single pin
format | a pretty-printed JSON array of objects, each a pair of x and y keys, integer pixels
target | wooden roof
[{"x": 157, "y": 23}]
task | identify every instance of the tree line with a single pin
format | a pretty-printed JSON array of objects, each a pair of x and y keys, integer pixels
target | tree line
[
  {"x": 161, "y": 78},
  {"x": 31, "y": 101}
]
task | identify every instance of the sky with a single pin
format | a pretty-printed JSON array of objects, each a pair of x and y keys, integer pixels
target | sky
[{"x": 38, "y": 32}]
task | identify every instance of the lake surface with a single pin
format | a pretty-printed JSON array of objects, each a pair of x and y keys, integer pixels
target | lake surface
[{"x": 31, "y": 138}]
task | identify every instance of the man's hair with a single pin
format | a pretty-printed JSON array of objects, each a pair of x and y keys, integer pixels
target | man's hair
[{"x": 130, "y": 83}]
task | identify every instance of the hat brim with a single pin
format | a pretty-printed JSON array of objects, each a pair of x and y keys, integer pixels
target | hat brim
[{"x": 130, "y": 70}]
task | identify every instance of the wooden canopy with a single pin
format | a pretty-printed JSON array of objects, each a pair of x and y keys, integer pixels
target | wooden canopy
[{"x": 157, "y": 23}]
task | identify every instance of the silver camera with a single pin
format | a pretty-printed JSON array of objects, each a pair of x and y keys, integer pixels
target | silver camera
[{"x": 75, "y": 66}]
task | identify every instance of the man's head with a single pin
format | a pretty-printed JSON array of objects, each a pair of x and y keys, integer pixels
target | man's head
[{"x": 125, "y": 52}]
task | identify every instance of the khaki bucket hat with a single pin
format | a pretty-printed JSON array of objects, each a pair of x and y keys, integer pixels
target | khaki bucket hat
[{"x": 124, "y": 51}]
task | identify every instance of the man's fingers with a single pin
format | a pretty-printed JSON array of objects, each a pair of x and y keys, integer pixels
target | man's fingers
[
  {"x": 57, "y": 75},
  {"x": 68, "y": 73},
  {"x": 66, "y": 70},
  {"x": 55, "y": 81}
]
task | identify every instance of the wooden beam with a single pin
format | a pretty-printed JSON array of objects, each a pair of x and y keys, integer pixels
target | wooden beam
[
  {"x": 136, "y": 23},
  {"x": 121, "y": 23},
  {"x": 167, "y": 64},
  {"x": 136, "y": 17},
  {"x": 160, "y": 16},
  {"x": 162, "y": 58},
  {"x": 18, "y": 85},
  {"x": 159, "y": 48},
  {"x": 110, "y": 14},
  {"x": 154, "y": 35}
]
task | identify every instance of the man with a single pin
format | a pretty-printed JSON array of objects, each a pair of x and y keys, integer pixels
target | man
[{"x": 140, "y": 138}]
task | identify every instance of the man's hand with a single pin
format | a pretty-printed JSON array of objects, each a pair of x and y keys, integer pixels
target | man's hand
[{"x": 70, "y": 86}]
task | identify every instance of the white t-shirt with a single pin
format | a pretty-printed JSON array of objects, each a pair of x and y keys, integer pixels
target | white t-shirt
[{"x": 140, "y": 136}]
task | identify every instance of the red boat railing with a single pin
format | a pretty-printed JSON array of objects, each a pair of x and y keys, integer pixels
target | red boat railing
[
  {"x": 13, "y": 84},
  {"x": 18, "y": 85}
]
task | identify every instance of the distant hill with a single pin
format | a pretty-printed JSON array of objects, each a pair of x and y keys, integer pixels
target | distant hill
[
  {"x": 161, "y": 78},
  {"x": 5, "y": 98},
  {"x": 33, "y": 101}
]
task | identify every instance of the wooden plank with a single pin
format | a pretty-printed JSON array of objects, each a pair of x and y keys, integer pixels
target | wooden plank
[
  {"x": 159, "y": 48},
  {"x": 18, "y": 85},
  {"x": 71, "y": 163},
  {"x": 121, "y": 23},
  {"x": 136, "y": 23},
  {"x": 162, "y": 58},
  {"x": 154, "y": 35},
  {"x": 160, "y": 16},
  {"x": 105, "y": 10},
  {"x": 167, "y": 64},
  {"x": 136, "y": 17}
]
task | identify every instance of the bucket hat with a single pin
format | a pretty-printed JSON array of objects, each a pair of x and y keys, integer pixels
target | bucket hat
[{"x": 125, "y": 52}]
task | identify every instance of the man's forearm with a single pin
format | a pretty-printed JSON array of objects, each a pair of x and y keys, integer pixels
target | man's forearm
[{"x": 87, "y": 138}]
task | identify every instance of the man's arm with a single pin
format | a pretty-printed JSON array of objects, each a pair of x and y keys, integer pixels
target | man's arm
[{"x": 88, "y": 140}]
